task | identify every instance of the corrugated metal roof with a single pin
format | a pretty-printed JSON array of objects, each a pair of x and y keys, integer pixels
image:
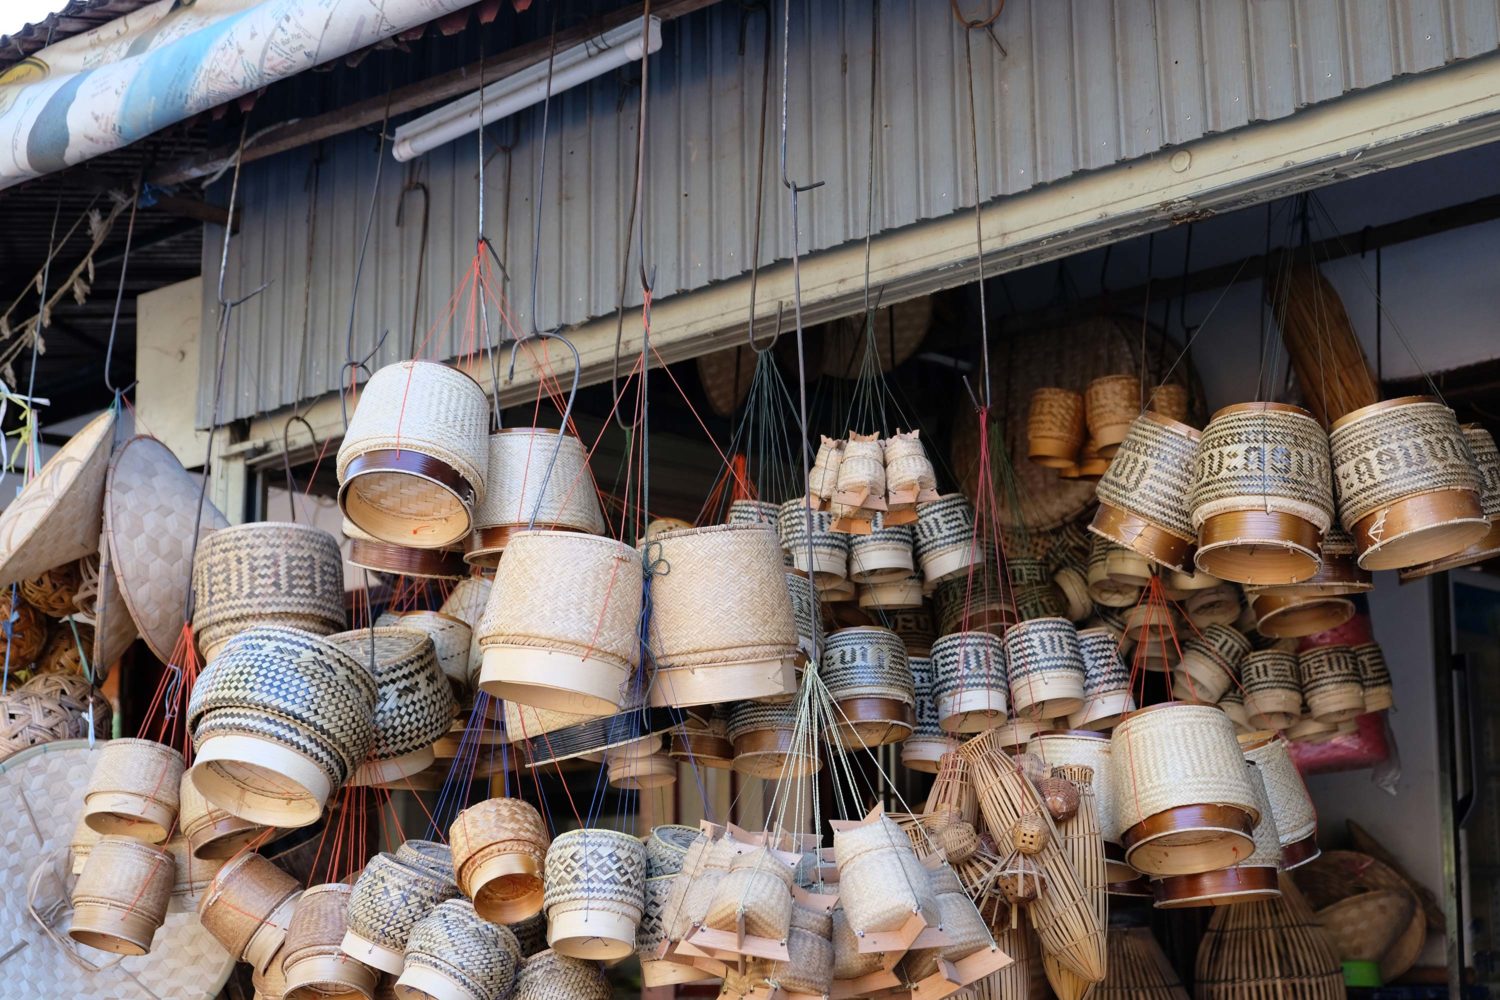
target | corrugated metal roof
[
  {"x": 1079, "y": 84},
  {"x": 75, "y": 17}
]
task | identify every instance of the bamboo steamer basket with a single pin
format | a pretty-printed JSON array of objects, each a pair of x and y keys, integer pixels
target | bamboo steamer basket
[
  {"x": 1062, "y": 748},
  {"x": 881, "y": 880},
  {"x": 916, "y": 630},
  {"x": 755, "y": 894},
  {"x": 1338, "y": 574},
  {"x": 454, "y": 954},
  {"x": 1073, "y": 585},
  {"x": 1331, "y": 685},
  {"x": 414, "y": 704},
  {"x": 746, "y": 511},
  {"x": 133, "y": 791},
  {"x": 636, "y": 773},
  {"x": 1054, "y": 427},
  {"x": 960, "y": 921},
  {"x": 451, "y": 639},
  {"x": 706, "y": 747},
  {"x": 1257, "y": 877},
  {"x": 1170, "y": 399},
  {"x": 1138, "y": 969},
  {"x": 1044, "y": 665},
  {"x": 1408, "y": 489},
  {"x": 389, "y": 897},
  {"x": 946, "y": 544},
  {"x": 651, "y": 934},
  {"x": 1216, "y": 605},
  {"x": 537, "y": 478},
  {"x": 1374, "y": 677},
  {"x": 368, "y": 552},
  {"x": 866, "y": 672},
  {"x": 892, "y": 595},
  {"x": 884, "y": 555},
  {"x": 977, "y": 602},
  {"x": 1104, "y": 588},
  {"x": 1273, "y": 948},
  {"x": 766, "y": 744},
  {"x": 1150, "y": 620},
  {"x": 561, "y": 628},
  {"x": 1487, "y": 464},
  {"x": 1210, "y": 663},
  {"x": 1262, "y": 494},
  {"x": 1106, "y": 682},
  {"x": 266, "y": 573},
  {"x": 1310, "y": 730},
  {"x": 1126, "y": 566},
  {"x": 311, "y": 962},
  {"x": 809, "y": 967},
  {"x": 806, "y": 612},
  {"x": 595, "y": 893},
  {"x": 1143, "y": 495},
  {"x": 969, "y": 681},
  {"x": 667, "y": 848},
  {"x": 279, "y": 720},
  {"x": 121, "y": 898},
  {"x": 1296, "y": 818},
  {"x": 413, "y": 461},
  {"x": 248, "y": 908},
  {"x": 211, "y": 833},
  {"x": 467, "y": 602},
  {"x": 499, "y": 849},
  {"x": 1112, "y": 404},
  {"x": 828, "y": 558},
  {"x": 1232, "y": 704},
  {"x": 1015, "y": 732},
  {"x": 1273, "y": 688},
  {"x": 715, "y": 632},
  {"x": 923, "y": 750},
  {"x": 1293, "y": 617},
  {"x": 1184, "y": 802},
  {"x": 548, "y": 975}
]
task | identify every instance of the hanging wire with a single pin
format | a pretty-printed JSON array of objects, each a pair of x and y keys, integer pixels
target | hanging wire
[{"x": 350, "y": 366}]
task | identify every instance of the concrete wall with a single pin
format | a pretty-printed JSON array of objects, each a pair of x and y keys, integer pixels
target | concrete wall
[{"x": 167, "y": 339}]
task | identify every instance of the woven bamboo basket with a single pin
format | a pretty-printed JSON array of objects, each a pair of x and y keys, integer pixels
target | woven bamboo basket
[
  {"x": 892, "y": 595},
  {"x": 560, "y": 630},
  {"x": 915, "y": 628},
  {"x": 946, "y": 544},
  {"x": 521, "y": 490},
  {"x": 1331, "y": 686},
  {"x": 312, "y": 964},
  {"x": 1257, "y": 877},
  {"x": 1054, "y": 427},
  {"x": 249, "y": 908},
  {"x": 414, "y": 703},
  {"x": 1112, "y": 403},
  {"x": 1024, "y": 978},
  {"x": 1210, "y": 663},
  {"x": 1273, "y": 948},
  {"x": 715, "y": 632},
  {"x": 266, "y": 573},
  {"x": 1071, "y": 582},
  {"x": 1374, "y": 677},
  {"x": 595, "y": 893},
  {"x": 1262, "y": 494},
  {"x": 1126, "y": 566},
  {"x": 1138, "y": 969},
  {"x": 923, "y": 750},
  {"x": 368, "y": 552},
  {"x": 1106, "y": 681},
  {"x": 279, "y": 720},
  {"x": 57, "y": 516},
  {"x": 1091, "y": 750},
  {"x": 133, "y": 791},
  {"x": 1045, "y": 668},
  {"x": 746, "y": 511},
  {"x": 1487, "y": 464},
  {"x": 1296, "y": 819},
  {"x": 884, "y": 555},
  {"x": 499, "y": 849},
  {"x": 1364, "y": 928},
  {"x": 882, "y": 882},
  {"x": 211, "y": 833},
  {"x": 756, "y": 894},
  {"x": 388, "y": 899},
  {"x": 121, "y": 898},
  {"x": 765, "y": 743},
  {"x": 656, "y": 770},
  {"x": 806, "y": 612},
  {"x": 1143, "y": 495},
  {"x": 1310, "y": 730},
  {"x": 412, "y": 464},
  {"x": 651, "y": 934},
  {"x": 1408, "y": 489},
  {"x": 454, "y": 954},
  {"x": 1273, "y": 688},
  {"x": 1183, "y": 799},
  {"x": 828, "y": 557},
  {"x": 467, "y": 602},
  {"x": 1084, "y": 848},
  {"x": 704, "y": 747},
  {"x": 52, "y": 591},
  {"x": 966, "y": 930},
  {"x": 1150, "y": 620},
  {"x": 451, "y": 639},
  {"x": 809, "y": 968},
  {"x": 969, "y": 682},
  {"x": 1338, "y": 573},
  {"x": 28, "y": 631},
  {"x": 869, "y": 680},
  {"x": 1104, "y": 588},
  {"x": 1294, "y": 617},
  {"x": 861, "y": 478},
  {"x": 910, "y": 478},
  {"x": 976, "y": 602},
  {"x": 1339, "y": 875},
  {"x": 64, "y": 651},
  {"x": 1171, "y": 400},
  {"x": 548, "y": 975},
  {"x": 667, "y": 847},
  {"x": 50, "y": 707},
  {"x": 823, "y": 477}
]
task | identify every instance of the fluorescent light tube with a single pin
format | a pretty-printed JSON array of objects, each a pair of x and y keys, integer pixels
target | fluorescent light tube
[{"x": 503, "y": 98}]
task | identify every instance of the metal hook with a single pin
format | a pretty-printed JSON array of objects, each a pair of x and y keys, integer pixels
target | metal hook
[
  {"x": 114, "y": 321},
  {"x": 775, "y": 336},
  {"x": 350, "y": 366},
  {"x": 286, "y": 457}
]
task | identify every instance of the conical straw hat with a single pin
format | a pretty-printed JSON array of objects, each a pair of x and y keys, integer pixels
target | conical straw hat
[
  {"x": 56, "y": 518},
  {"x": 151, "y": 502},
  {"x": 114, "y": 628}
]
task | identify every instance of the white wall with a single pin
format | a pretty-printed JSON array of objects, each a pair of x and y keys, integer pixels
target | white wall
[{"x": 167, "y": 338}]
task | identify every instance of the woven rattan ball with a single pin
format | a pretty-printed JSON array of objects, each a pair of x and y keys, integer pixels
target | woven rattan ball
[
  {"x": 50, "y": 707},
  {"x": 24, "y": 630},
  {"x": 52, "y": 593},
  {"x": 64, "y": 652},
  {"x": 1020, "y": 882},
  {"x": 1061, "y": 798},
  {"x": 1030, "y": 834},
  {"x": 1031, "y": 765}
]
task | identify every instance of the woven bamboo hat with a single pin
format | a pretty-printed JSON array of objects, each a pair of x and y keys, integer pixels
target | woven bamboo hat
[
  {"x": 56, "y": 518},
  {"x": 151, "y": 503},
  {"x": 102, "y": 606}
]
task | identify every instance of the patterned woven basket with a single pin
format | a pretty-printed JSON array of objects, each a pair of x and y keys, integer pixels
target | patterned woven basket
[
  {"x": 1296, "y": 819},
  {"x": 1111, "y": 404},
  {"x": 548, "y": 975},
  {"x": 1045, "y": 667},
  {"x": 499, "y": 848},
  {"x": 1183, "y": 801},
  {"x": 133, "y": 791},
  {"x": 1407, "y": 485},
  {"x": 1374, "y": 677},
  {"x": 312, "y": 963},
  {"x": 514, "y": 494},
  {"x": 945, "y": 538},
  {"x": 389, "y": 898},
  {"x": 667, "y": 847},
  {"x": 1170, "y": 399},
  {"x": 1106, "y": 681},
  {"x": 212, "y": 834},
  {"x": 923, "y": 750},
  {"x": 961, "y": 922},
  {"x": 758, "y": 891},
  {"x": 451, "y": 639},
  {"x": 248, "y": 908},
  {"x": 1104, "y": 588},
  {"x": 413, "y": 461},
  {"x": 978, "y": 602},
  {"x": 915, "y": 628},
  {"x": 763, "y": 736},
  {"x": 454, "y": 954},
  {"x": 1331, "y": 686},
  {"x": 969, "y": 684},
  {"x": 807, "y": 613},
  {"x": 1487, "y": 464},
  {"x": 595, "y": 893},
  {"x": 884, "y": 555},
  {"x": 1210, "y": 663},
  {"x": 414, "y": 703},
  {"x": 279, "y": 720},
  {"x": 828, "y": 559},
  {"x": 1262, "y": 494},
  {"x": 53, "y": 591},
  {"x": 869, "y": 679},
  {"x": 714, "y": 632},
  {"x": 50, "y": 707},
  {"x": 121, "y": 898},
  {"x": 882, "y": 883},
  {"x": 1054, "y": 427},
  {"x": 1273, "y": 688},
  {"x": 561, "y": 628},
  {"x": 1143, "y": 496},
  {"x": 910, "y": 477},
  {"x": 266, "y": 573}
]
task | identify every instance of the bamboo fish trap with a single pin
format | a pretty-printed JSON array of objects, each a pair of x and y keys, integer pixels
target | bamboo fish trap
[
  {"x": 1270, "y": 949},
  {"x": 1138, "y": 970},
  {"x": 1084, "y": 847}
]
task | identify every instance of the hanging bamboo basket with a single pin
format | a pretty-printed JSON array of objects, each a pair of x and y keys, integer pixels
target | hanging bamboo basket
[
  {"x": 1296, "y": 818},
  {"x": 1262, "y": 494},
  {"x": 451, "y": 639},
  {"x": 561, "y": 628},
  {"x": 1045, "y": 667},
  {"x": 412, "y": 463},
  {"x": 1092, "y": 750},
  {"x": 1331, "y": 686},
  {"x": 121, "y": 898},
  {"x": 867, "y": 675},
  {"x": 882, "y": 882},
  {"x": 1143, "y": 497},
  {"x": 1105, "y": 588},
  {"x": 1112, "y": 404},
  {"x": 133, "y": 790},
  {"x": 923, "y": 750},
  {"x": 311, "y": 961},
  {"x": 1185, "y": 804},
  {"x": 806, "y": 612},
  {"x": 1255, "y": 878},
  {"x": 1280, "y": 617},
  {"x": 548, "y": 975},
  {"x": 828, "y": 558},
  {"x": 1054, "y": 427},
  {"x": 389, "y": 897},
  {"x": 969, "y": 684},
  {"x": 1487, "y": 464},
  {"x": 946, "y": 544},
  {"x": 1106, "y": 682},
  {"x": 212, "y": 834},
  {"x": 499, "y": 848},
  {"x": 368, "y": 552},
  {"x": 892, "y": 595},
  {"x": 1273, "y": 688},
  {"x": 535, "y": 478},
  {"x": 249, "y": 908},
  {"x": 595, "y": 891},
  {"x": 765, "y": 741},
  {"x": 454, "y": 954},
  {"x": 1273, "y": 948},
  {"x": 1374, "y": 677},
  {"x": 882, "y": 556},
  {"x": 976, "y": 602},
  {"x": 1408, "y": 489},
  {"x": 1210, "y": 663},
  {"x": 705, "y": 745}
]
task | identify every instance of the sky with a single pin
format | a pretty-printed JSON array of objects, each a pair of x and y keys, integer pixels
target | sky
[{"x": 15, "y": 13}]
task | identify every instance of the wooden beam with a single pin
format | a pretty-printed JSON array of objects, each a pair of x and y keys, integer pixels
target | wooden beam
[
  {"x": 413, "y": 96},
  {"x": 192, "y": 208}
]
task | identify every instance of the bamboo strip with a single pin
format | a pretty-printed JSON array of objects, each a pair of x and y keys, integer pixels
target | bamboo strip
[
  {"x": 1320, "y": 340},
  {"x": 1269, "y": 950}
]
